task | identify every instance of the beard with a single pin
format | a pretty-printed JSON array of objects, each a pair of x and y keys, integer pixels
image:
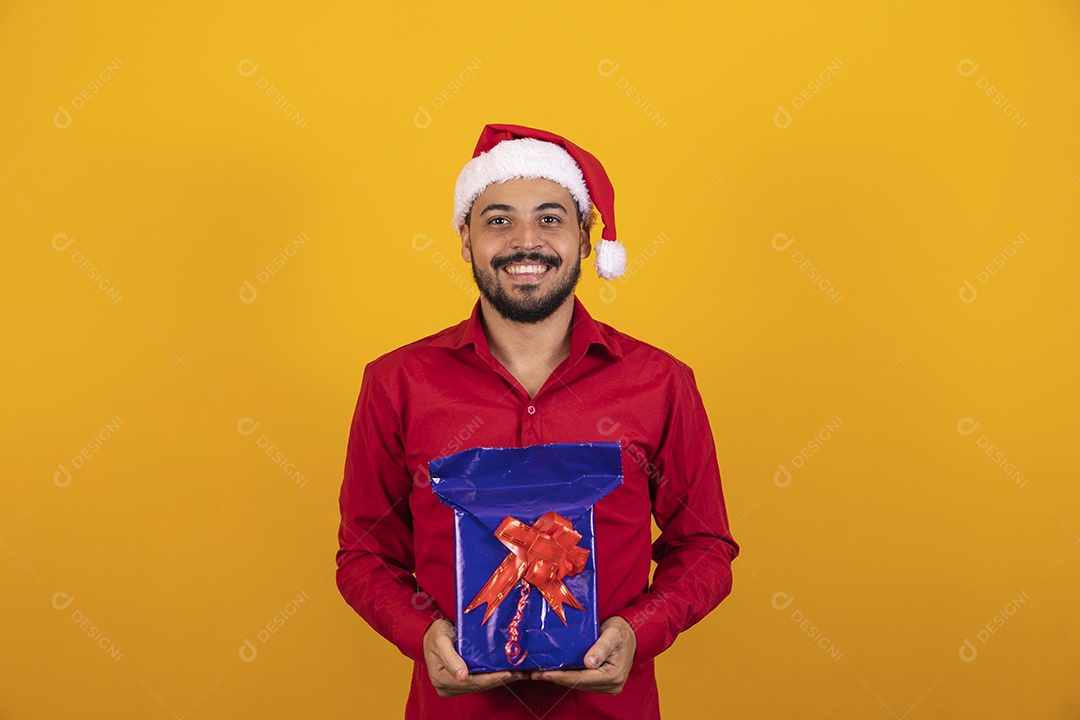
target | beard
[{"x": 534, "y": 307}]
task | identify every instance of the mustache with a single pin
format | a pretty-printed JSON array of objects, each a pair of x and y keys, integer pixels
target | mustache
[{"x": 526, "y": 257}]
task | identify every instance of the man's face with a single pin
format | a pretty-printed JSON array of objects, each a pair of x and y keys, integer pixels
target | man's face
[{"x": 526, "y": 245}]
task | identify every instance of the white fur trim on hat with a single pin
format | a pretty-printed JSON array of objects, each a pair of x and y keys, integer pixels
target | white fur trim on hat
[
  {"x": 610, "y": 259},
  {"x": 523, "y": 158}
]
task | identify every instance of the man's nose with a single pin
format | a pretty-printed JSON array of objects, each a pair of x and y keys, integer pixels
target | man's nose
[{"x": 526, "y": 236}]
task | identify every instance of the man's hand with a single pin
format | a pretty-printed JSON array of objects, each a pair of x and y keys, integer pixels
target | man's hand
[
  {"x": 448, "y": 671},
  {"x": 608, "y": 661}
]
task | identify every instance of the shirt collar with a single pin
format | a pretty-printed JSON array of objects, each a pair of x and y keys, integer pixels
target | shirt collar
[{"x": 585, "y": 333}]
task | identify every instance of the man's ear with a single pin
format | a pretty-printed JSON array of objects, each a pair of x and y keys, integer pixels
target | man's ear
[
  {"x": 586, "y": 243},
  {"x": 466, "y": 245}
]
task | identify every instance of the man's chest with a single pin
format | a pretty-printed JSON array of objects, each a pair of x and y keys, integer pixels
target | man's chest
[{"x": 484, "y": 411}]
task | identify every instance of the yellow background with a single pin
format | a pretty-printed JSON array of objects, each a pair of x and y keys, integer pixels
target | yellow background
[{"x": 860, "y": 132}]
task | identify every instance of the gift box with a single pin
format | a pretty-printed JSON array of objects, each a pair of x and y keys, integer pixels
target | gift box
[{"x": 525, "y": 550}]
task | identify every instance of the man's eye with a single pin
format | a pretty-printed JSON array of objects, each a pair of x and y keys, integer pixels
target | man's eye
[
  {"x": 549, "y": 219},
  {"x": 497, "y": 221}
]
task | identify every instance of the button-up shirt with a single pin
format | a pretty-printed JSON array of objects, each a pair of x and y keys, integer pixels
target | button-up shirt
[{"x": 447, "y": 393}]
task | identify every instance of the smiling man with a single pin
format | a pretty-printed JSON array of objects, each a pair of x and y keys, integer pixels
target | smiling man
[
  {"x": 531, "y": 366},
  {"x": 533, "y": 218}
]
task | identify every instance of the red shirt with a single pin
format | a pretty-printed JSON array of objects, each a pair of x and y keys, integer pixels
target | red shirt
[{"x": 447, "y": 393}]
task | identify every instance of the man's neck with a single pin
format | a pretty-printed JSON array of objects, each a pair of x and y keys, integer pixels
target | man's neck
[{"x": 530, "y": 351}]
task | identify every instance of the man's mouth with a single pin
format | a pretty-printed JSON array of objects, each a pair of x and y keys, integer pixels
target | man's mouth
[{"x": 527, "y": 269}]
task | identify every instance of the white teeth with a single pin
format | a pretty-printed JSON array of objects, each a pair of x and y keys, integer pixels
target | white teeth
[{"x": 525, "y": 269}]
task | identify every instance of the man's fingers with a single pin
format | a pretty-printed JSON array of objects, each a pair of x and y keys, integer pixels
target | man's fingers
[
  {"x": 455, "y": 665},
  {"x": 446, "y": 652},
  {"x": 476, "y": 683},
  {"x": 569, "y": 677},
  {"x": 601, "y": 681},
  {"x": 602, "y": 648},
  {"x": 447, "y": 670},
  {"x": 485, "y": 681},
  {"x": 442, "y": 647},
  {"x": 607, "y": 662}
]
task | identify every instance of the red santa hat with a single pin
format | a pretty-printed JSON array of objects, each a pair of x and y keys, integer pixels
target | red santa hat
[{"x": 508, "y": 152}]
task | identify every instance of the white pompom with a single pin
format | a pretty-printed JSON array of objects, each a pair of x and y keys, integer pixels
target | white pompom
[{"x": 610, "y": 259}]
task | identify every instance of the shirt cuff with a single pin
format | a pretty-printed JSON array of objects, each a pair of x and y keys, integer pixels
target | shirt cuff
[
  {"x": 410, "y": 630},
  {"x": 649, "y": 620}
]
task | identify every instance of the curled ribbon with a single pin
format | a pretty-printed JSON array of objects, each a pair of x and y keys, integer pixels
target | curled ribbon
[{"x": 541, "y": 555}]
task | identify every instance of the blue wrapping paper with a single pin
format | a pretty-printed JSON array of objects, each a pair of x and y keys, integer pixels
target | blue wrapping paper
[{"x": 483, "y": 486}]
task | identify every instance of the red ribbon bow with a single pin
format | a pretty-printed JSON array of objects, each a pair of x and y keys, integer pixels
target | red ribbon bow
[{"x": 540, "y": 555}]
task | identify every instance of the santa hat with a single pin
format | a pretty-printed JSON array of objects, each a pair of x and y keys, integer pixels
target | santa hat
[{"x": 508, "y": 152}]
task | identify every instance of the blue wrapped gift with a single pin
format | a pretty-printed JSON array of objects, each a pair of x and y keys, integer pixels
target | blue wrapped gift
[{"x": 525, "y": 550}]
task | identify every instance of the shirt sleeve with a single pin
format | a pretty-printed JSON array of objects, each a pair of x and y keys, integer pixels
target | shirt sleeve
[
  {"x": 695, "y": 549},
  {"x": 375, "y": 560}
]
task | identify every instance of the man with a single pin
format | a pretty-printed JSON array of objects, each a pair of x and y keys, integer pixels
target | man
[{"x": 531, "y": 366}]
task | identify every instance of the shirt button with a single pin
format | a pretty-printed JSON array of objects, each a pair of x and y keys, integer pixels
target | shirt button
[
  {"x": 536, "y": 710},
  {"x": 532, "y": 409}
]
